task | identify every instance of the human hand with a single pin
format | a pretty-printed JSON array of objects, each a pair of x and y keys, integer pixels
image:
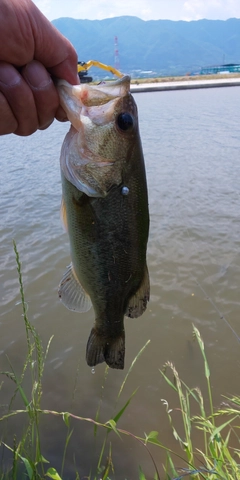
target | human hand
[{"x": 32, "y": 51}]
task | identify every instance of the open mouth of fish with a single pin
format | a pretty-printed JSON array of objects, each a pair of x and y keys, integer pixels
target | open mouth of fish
[{"x": 79, "y": 101}]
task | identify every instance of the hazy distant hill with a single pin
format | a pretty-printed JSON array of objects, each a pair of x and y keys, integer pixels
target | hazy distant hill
[{"x": 164, "y": 46}]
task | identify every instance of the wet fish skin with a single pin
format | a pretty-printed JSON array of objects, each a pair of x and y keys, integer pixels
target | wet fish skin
[{"x": 108, "y": 232}]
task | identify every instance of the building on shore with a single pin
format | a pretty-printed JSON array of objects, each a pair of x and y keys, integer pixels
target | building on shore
[{"x": 226, "y": 68}]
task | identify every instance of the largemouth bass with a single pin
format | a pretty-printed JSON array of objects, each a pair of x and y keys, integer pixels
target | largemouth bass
[{"x": 105, "y": 210}]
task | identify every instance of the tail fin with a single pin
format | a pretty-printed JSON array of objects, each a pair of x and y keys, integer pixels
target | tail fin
[{"x": 101, "y": 349}]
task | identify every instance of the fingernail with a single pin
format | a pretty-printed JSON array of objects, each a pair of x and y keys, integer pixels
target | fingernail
[
  {"x": 65, "y": 119},
  {"x": 44, "y": 127},
  {"x": 36, "y": 75},
  {"x": 60, "y": 115},
  {"x": 9, "y": 75}
]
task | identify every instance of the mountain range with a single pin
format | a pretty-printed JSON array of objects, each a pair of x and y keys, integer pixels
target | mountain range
[{"x": 161, "y": 47}]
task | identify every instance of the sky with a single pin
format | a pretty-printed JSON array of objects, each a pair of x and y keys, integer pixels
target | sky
[{"x": 145, "y": 9}]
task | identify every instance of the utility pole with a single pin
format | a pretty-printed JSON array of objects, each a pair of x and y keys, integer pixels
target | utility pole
[{"x": 116, "y": 54}]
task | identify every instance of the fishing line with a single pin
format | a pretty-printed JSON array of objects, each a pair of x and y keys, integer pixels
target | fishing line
[{"x": 221, "y": 316}]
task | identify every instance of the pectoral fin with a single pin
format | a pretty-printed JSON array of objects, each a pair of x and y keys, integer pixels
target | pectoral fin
[
  {"x": 138, "y": 303},
  {"x": 72, "y": 293}
]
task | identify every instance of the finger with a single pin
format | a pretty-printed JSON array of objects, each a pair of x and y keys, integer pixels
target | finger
[
  {"x": 32, "y": 36},
  {"x": 20, "y": 99},
  {"x": 52, "y": 49},
  {"x": 67, "y": 69},
  {"x": 44, "y": 92},
  {"x": 60, "y": 115},
  {"x": 8, "y": 123}
]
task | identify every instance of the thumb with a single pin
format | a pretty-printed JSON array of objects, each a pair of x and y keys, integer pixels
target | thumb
[{"x": 52, "y": 49}]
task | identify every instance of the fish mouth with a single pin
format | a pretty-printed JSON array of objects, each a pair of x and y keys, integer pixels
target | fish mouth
[
  {"x": 78, "y": 100},
  {"x": 95, "y": 95}
]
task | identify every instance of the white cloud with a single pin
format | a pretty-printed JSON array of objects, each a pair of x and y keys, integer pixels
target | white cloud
[
  {"x": 146, "y": 14},
  {"x": 44, "y": 6},
  {"x": 145, "y": 9},
  {"x": 211, "y": 9}
]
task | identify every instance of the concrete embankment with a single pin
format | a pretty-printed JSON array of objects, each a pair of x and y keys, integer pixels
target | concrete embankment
[{"x": 184, "y": 85}]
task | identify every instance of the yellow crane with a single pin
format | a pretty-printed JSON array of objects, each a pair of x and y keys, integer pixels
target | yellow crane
[{"x": 83, "y": 68}]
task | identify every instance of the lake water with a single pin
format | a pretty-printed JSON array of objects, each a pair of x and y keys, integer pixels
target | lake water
[{"x": 191, "y": 142}]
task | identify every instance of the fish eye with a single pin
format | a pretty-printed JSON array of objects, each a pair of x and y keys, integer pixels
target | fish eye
[{"x": 125, "y": 121}]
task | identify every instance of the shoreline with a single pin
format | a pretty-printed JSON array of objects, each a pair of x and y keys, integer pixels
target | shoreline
[{"x": 184, "y": 83}]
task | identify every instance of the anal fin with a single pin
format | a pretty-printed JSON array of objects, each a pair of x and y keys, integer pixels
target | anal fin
[
  {"x": 72, "y": 294},
  {"x": 138, "y": 302}
]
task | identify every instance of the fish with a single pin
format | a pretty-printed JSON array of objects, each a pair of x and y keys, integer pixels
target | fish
[{"x": 105, "y": 212}]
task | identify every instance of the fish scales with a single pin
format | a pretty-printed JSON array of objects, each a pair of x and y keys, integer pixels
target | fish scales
[{"x": 108, "y": 231}]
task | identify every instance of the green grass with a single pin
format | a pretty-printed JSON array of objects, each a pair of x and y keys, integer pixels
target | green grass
[{"x": 215, "y": 459}]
